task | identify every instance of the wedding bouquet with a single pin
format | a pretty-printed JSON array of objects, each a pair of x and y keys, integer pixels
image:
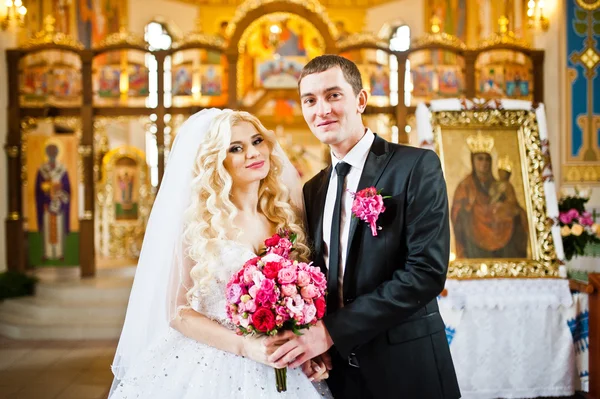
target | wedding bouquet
[
  {"x": 273, "y": 293},
  {"x": 577, "y": 226}
]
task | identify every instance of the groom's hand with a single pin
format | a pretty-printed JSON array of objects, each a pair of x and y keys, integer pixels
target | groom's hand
[{"x": 313, "y": 342}]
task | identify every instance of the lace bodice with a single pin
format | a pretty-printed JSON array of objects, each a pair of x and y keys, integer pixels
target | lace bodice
[{"x": 211, "y": 300}]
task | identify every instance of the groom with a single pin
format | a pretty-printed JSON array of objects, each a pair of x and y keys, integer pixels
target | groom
[{"x": 383, "y": 329}]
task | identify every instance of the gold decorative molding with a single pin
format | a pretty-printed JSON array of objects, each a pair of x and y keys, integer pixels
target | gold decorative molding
[
  {"x": 12, "y": 151},
  {"x": 50, "y": 36},
  {"x": 122, "y": 37},
  {"x": 249, "y": 5},
  {"x": 581, "y": 173},
  {"x": 199, "y": 38},
  {"x": 439, "y": 38},
  {"x": 122, "y": 238},
  {"x": 87, "y": 215},
  {"x": 508, "y": 38},
  {"x": 14, "y": 216},
  {"x": 543, "y": 261},
  {"x": 589, "y": 5},
  {"x": 85, "y": 150},
  {"x": 361, "y": 39}
]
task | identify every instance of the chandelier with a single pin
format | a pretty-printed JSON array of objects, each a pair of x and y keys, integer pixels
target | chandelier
[{"x": 12, "y": 10}]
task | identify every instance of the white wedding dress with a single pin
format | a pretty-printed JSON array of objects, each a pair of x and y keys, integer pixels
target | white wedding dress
[{"x": 178, "y": 367}]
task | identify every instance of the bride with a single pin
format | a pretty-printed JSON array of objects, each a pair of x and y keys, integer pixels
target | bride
[{"x": 227, "y": 187}]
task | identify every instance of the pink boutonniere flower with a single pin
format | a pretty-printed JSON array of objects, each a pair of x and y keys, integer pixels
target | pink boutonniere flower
[{"x": 367, "y": 206}]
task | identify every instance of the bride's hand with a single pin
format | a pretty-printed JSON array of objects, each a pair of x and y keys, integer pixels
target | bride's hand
[
  {"x": 255, "y": 348},
  {"x": 317, "y": 369}
]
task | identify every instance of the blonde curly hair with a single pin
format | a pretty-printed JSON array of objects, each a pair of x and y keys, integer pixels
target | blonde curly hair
[{"x": 211, "y": 213}]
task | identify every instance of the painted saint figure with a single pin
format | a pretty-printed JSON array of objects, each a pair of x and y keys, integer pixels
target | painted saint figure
[
  {"x": 53, "y": 199},
  {"x": 487, "y": 219}
]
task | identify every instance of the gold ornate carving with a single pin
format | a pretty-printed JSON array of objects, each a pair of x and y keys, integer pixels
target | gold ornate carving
[
  {"x": 49, "y": 36},
  {"x": 122, "y": 37},
  {"x": 14, "y": 216},
  {"x": 12, "y": 151},
  {"x": 581, "y": 173},
  {"x": 85, "y": 150},
  {"x": 249, "y": 5},
  {"x": 589, "y": 4},
  {"x": 504, "y": 38},
  {"x": 362, "y": 38},
  {"x": 543, "y": 261},
  {"x": 200, "y": 38},
  {"x": 122, "y": 238},
  {"x": 439, "y": 38}
]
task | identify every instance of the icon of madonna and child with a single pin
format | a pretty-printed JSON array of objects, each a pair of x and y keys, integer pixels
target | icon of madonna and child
[{"x": 487, "y": 219}]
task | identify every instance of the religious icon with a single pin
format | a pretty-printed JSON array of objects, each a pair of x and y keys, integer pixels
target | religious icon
[
  {"x": 182, "y": 80},
  {"x": 279, "y": 73},
  {"x": 449, "y": 80},
  {"x": 35, "y": 83},
  {"x": 422, "y": 77},
  {"x": 487, "y": 218},
  {"x": 210, "y": 81},
  {"x": 517, "y": 81},
  {"x": 126, "y": 207},
  {"x": 66, "y": 82},
  {"x": 492, "y": 81},
  {"x": 109, "y": 82},
  {"x": 138, "y": 80},
  {"x": 379, "y": 81},
  {"x": 53, "y": 201}
]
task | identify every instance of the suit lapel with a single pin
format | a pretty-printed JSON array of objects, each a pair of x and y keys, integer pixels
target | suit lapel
[
  {"x": 378, "y": 157},
  {"x": 319, "y": 210}
]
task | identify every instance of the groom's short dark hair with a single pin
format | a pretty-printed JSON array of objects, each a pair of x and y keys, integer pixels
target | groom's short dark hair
[{"x": 324, "y": 62}]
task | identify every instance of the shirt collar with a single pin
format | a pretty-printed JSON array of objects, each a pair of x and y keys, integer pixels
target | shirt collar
[{"x": 358, "y": 154}]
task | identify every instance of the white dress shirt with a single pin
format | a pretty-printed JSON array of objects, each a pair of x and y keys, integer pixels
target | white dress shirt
[{"x": 356, "y": 158}]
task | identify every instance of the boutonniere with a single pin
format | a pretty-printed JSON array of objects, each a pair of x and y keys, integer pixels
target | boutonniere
[{"x": 367, "y": 206}]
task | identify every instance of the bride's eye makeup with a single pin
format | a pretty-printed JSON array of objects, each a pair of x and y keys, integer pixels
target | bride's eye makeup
[
  {"x": 258, "y": 140},
  {"x": 235, "y": 148}
]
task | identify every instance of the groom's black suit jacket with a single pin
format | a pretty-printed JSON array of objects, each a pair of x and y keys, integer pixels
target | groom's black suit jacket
[{"x": 390, "y": 321}]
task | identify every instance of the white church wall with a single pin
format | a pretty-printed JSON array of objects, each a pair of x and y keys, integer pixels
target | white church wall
[
  {"x": 404, "y": 11},
  {"x": 179, "y": 17}
]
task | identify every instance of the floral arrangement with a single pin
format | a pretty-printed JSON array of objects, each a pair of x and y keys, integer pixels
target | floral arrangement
[
  {"x": 367, "y": 206},
  {"x": 273, "y": 293},
  {"x": 577, "y": 226}
]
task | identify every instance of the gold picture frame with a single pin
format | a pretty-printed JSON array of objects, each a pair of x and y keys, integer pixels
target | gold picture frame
[{"x": 494, "y": 236}]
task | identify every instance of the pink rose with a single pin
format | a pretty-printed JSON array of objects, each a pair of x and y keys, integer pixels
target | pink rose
[
  {"x": 565, "y": 218},
  {"x": 253, "y": 291},
  {"x": 303, "y": 278},
  {"x": 289, "y": 290},
  {"x": 248, "y": 273},
  {"x": 294, "y": 304},
  {"x": 309, "y": 313},
  {"x": 285, "y": 244},
  {"x": 267, "y": 285},
  {"x": 282, "y": 311},
  {"x": 280, "y": 251},
  {"x": 287, "y": 275},
  {"x": 250, "y": 306},
  {"x": 266, "y": 297},
  {"x": 318, "y": 278},
  {"x": 234, "y": 293},
  {"x": 258, "y": 277},
  {"x": 309, "y": 292}
]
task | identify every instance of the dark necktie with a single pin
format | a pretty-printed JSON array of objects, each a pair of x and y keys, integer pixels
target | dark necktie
[{"x": 342, "y": 169}]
